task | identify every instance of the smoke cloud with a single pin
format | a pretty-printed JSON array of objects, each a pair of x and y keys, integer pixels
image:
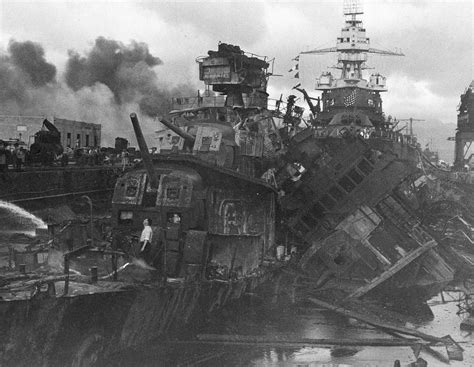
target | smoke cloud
[
  {"x": 126, "y": 70},
  {"x": 102, "y": 85},
  {"x": 22, "y": 68},
  {"x": 29, "y": 58},
  {"x": 12, "y": 84}
]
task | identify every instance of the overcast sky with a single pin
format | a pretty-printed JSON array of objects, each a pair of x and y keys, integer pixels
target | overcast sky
[{"x": 435, "y": 36}]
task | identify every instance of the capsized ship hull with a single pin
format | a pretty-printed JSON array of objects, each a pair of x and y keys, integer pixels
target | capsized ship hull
[
  {"x": 348, "y": 186},
  {"x": 352, "y": 215}
]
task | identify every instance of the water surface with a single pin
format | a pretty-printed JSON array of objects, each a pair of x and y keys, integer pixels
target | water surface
[{"x": 295, "y": 323}]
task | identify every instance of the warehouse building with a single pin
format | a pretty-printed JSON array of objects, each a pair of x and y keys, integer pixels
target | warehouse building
[{"x": 73, "y": 133}]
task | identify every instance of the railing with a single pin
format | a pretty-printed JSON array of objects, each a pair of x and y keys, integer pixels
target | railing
[
  {"x": 189, "y": 103},
  {"x": 194, "y": 102},
  {"x": 365, "y": 133},
  {"x": 345, "y": 56},
  {"x": 185, "y": 103}
]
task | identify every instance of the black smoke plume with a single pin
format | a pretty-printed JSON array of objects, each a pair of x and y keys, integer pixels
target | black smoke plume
[
  {"x": 29, "y": 58},
  {"x": 127, "y": 70},
  {"x": 12, "y": 85},
  {"x": 23, "y": 68},
  {"x": 102, "y": 85}
]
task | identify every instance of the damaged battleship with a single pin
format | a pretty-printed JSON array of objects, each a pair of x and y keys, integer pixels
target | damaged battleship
[
  {"x": 213, "y": 224},
  {"x": 349, "y": 188},
  {"x": 234, "y": 188}
]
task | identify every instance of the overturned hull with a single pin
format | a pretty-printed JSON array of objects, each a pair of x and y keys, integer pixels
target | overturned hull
[
  {"x": 354, "y": 213},
  {"x": 348, "y": 186}
]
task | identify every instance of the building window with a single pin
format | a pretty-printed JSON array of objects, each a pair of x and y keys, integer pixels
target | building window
[
  {"x": 87, "y": 140},
  {"x": 78, "y": 140},
  {"x": 68, "y": 140}
]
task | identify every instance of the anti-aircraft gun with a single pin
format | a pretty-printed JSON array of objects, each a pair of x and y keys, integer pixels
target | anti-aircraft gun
[{"x": 47, "y": 144}]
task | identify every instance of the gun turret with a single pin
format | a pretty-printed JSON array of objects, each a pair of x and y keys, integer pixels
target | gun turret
[
  {"x": 188, "y": 137},
  {"x": 146, "y": 157}
]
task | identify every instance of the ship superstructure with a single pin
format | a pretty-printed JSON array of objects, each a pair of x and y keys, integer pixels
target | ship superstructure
[
  {"x": 465, "y": 129},
  {"x": 230, "y": 121},
  {"x": 205, "y": 180},
  {"x": 350, "y": 98}
]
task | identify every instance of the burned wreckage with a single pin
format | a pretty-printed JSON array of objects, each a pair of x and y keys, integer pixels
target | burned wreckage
[
  {"x": 213, "y": 222},
  {"x": 235, "y": 187},
  {"x": 349, "y": 195},
  {"x": 215, "y": 214}
]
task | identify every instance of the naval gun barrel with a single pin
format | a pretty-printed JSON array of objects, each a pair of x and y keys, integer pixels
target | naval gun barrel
[
  {"x": 146, "y": 156},
  {"x": 313, "y": 109},
  {"x": 188, "y": 137}
]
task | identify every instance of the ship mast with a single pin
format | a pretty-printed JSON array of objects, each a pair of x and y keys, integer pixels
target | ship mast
[
  {"x": 352, "y": 43},
  {"x": 353, "y": 46}
]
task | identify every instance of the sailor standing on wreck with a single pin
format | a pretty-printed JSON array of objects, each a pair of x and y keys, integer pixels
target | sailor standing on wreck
[{"x": 145, "y": 238}]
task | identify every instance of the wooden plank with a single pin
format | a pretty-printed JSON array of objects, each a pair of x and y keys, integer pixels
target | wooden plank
[
  {"x": 296, "y": 344},
  {"x": 439, "y": 356},
  {"x": 371, "y": 321},
  {"x": 453, "y": 349},
  {"x": 400, "y": 264},
  {"x": 291, "y": 341},
  {"x": 199, "y": 360}
]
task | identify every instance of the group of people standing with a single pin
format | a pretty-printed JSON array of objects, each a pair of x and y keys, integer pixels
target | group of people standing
[
  {"x": 87, "y": 156},
  {"x": 16, "y": 156}
]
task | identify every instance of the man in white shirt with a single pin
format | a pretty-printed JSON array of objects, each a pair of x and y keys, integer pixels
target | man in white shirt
[{"x": 146, "y": 237}]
